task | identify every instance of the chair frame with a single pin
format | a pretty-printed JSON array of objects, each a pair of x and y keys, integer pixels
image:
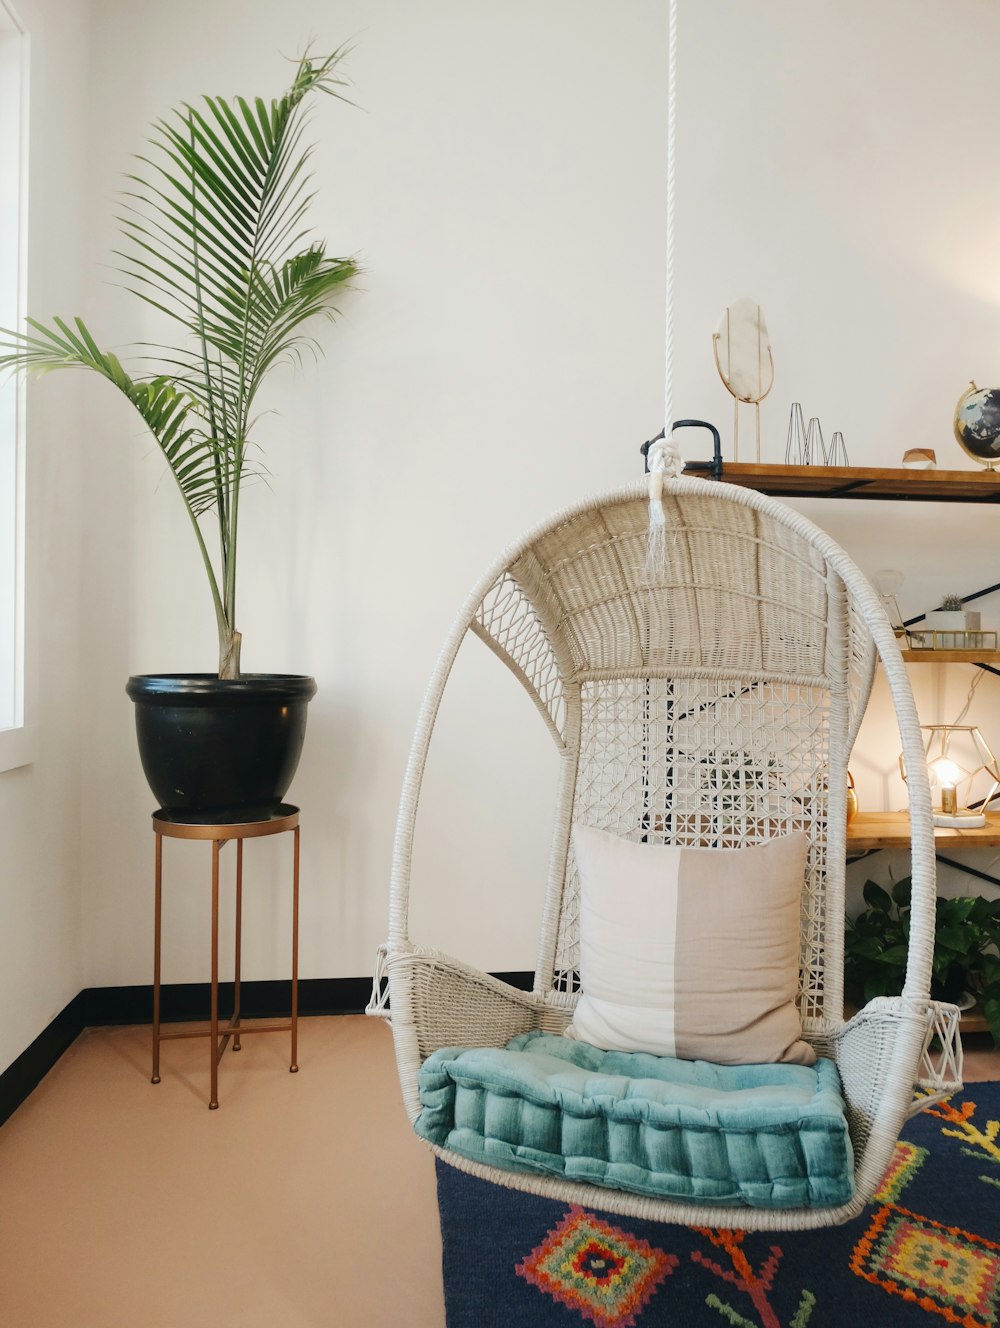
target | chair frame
[{"x": 881, "y": 1053}]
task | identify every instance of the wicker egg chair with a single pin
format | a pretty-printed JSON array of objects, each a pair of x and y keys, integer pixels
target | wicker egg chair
[{"x": 761, "y": 639}]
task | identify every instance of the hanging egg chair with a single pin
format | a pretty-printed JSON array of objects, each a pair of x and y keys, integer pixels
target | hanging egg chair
[
  {"x": 701, "y": 657},
  {"x": 702, "y": 714}
]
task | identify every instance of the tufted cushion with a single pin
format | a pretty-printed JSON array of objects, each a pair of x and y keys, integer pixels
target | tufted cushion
[
  {"x": 691, "y": 952},
  {"x": 766, "y": 1136}
]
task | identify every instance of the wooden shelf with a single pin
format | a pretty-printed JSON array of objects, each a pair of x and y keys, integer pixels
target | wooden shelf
[
  {"x": 973, "y": 1021},
  {"x": 940, "y": 486},
  {"x": 871, "y": 830},
  {"x": 951, "y": 656}
]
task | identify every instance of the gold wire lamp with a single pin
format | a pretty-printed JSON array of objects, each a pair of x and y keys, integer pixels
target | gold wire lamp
[{"x": 961, "y": 766}]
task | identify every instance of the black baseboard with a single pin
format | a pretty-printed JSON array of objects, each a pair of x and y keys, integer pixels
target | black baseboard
[
  {"x": 189, "y": 1000},
  {"x": 180, "y": 1001},
  {"x": 34, "y": 1063}
]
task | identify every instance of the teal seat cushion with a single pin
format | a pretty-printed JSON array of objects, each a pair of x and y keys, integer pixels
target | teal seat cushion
[{"x": 764, "y": 1136}]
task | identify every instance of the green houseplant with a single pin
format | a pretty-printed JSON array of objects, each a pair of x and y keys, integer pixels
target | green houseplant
[
  {"x": 213, "y": 237},
  {"x": 966, "y": 949}
]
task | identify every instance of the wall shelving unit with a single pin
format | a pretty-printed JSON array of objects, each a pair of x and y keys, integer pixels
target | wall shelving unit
[{"x": 870, "y": 831}]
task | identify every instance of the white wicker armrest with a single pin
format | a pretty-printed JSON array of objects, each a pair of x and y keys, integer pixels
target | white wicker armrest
[
  {"x": 877, "y": 1053},
  {"x": 453, "y": 1004},
  {"x": 439, "y": 1001},
  {"x": 889, "y": 1036}
]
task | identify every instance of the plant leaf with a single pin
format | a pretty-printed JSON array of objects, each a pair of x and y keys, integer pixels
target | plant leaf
[
  {"x": 901, "y": 892},
  {"x": 876, "y": 897}
]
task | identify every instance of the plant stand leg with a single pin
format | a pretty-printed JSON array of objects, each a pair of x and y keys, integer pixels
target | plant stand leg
[
  {"x": 239, "y": 931},
  {"x": 213, "y": 1102},
  {"x": 294, "y": 1066},
  {"x": 156, "y": 959}
]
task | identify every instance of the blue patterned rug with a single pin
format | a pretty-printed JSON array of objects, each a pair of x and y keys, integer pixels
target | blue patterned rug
[{"x": 926, "y": 1251}]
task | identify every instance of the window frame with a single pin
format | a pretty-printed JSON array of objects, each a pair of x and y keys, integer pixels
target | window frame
[{"x": 17, "y": 737}]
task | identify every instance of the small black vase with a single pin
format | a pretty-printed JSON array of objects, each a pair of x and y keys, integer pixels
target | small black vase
[{"x": 220, "y": 751}]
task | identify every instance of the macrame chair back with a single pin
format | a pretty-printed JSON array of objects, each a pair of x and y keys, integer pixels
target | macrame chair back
[{"x": 716, "y": 707}]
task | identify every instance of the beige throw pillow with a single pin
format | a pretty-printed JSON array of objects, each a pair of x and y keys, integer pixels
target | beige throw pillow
[{"x": 691, "y": 952}]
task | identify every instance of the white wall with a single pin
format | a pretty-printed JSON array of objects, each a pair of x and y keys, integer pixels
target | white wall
[
  {"x": 501, "y": 356},
  {"x": 503, "y": 183},
  {"x": 41, "y": 905}
]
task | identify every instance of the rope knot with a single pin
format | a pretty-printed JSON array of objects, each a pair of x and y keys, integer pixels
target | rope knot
[{"x": 664, "y": 457}]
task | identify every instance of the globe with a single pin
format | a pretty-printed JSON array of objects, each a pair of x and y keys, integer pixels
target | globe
[{"x": 977, "y": 424}]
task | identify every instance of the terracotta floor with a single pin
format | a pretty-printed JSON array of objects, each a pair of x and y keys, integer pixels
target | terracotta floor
[{"x": 304, "y": 1202}]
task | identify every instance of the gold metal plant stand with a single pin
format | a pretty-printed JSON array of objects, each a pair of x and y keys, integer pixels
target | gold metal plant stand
[{"x": 285, "y": 818}]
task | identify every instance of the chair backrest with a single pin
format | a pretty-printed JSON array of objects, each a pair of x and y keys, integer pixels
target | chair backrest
[{"x": 714, "y": 706}]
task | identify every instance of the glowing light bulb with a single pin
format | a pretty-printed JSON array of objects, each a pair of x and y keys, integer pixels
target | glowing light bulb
[
  {"x": 946, "y": 775},
  {"x": 945, "y": 772}
]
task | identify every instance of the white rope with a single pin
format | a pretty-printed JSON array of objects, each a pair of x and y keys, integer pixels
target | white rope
[
  {"x": 664, "y": 457},
  {"x": 675, "y": 465},
  {"x": 662, "y": 460}
]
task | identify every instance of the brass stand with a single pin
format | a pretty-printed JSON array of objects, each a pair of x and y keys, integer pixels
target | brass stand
[{"x": 285, "y": 818}]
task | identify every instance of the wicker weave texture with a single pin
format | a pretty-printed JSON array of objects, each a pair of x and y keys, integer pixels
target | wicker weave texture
[{"x": 733, "y": 600}]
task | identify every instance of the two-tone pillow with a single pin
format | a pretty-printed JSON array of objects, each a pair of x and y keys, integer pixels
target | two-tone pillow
[{"x": 691, "y": 952}]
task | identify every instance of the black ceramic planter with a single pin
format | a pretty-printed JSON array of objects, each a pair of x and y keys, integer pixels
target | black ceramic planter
[{"x": 217, "y": 751}]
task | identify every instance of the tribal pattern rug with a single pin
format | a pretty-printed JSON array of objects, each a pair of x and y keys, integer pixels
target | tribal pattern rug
[{"x": 924, "y": 1253}]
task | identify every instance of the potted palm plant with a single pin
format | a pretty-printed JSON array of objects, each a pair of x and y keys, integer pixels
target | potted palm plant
[{"x": 214, "y": 238}]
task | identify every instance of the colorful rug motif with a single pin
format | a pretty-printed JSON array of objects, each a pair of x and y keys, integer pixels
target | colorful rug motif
[
  {"x": 597, "y": 1269},
  {"x": 927, "y": 1249},
  {"x": 942, "y": 1269}
]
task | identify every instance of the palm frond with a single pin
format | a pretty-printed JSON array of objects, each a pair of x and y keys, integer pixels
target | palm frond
[
  {"x": 214, "y": 237},
  {"x": 173, "y": 416},
  {"x": 219, "y": 208}
]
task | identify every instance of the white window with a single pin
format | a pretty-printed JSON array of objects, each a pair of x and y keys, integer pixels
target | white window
[{"x": 13, "y": 215}]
